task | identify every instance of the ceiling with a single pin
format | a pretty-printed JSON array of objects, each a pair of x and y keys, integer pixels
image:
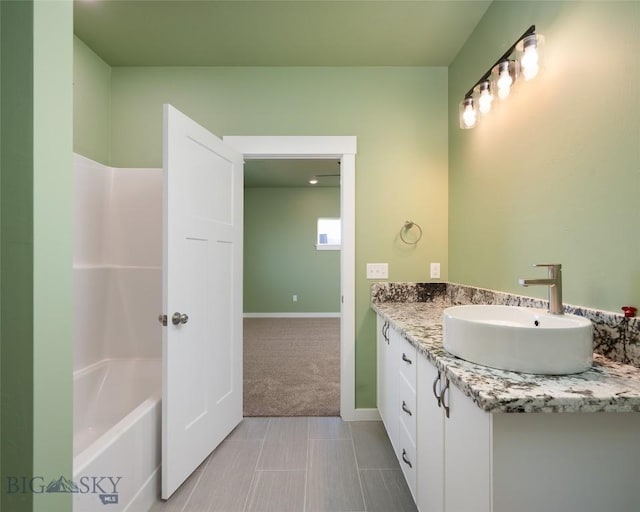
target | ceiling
[
  {"x": 276, "y": 33},
  {"x": 290, "y": 173}
]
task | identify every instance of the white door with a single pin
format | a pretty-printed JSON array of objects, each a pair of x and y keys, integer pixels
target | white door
[{"x": 202, "y": 296}]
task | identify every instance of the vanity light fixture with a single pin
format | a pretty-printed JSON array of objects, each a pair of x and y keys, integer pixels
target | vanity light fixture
[
  {"x": 313, "y": 180},
  {"x": 521, "y": 60}
]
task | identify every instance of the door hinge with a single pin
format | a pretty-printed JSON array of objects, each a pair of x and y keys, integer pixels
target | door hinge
[{"x": 162, "y": 319}]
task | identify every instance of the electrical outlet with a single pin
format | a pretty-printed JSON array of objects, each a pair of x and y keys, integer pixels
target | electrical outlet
[
  {"x": 294, "y": 298},
  {"x": 377, "y": 271},
  {"x": 435, "y": 271}
]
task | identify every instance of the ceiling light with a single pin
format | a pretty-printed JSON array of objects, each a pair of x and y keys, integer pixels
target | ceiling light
[{"x": 314, "y": 179}]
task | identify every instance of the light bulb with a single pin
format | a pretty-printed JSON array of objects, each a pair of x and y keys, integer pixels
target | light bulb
[
  {"x": 468, "y": 112},
  {"x": 469, "y": 115},
  {"x": 529, "y": 59},
  {"x": 485, "y": 99},
  {"x": 529, "y": 55},
  {"x": 313, "y": 180},
  {"x": 504, "y": 83}
]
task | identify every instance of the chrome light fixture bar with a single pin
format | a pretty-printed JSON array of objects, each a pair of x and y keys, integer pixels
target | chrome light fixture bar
[{"x": 501, "y": 76}]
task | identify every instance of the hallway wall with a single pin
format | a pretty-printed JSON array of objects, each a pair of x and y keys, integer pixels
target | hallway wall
[{"x": 280, "y": 256}]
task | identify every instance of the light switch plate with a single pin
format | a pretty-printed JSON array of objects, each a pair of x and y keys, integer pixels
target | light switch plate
[
  {"x": 377, "y": 271},
  {"x": 435, "y": 271}
]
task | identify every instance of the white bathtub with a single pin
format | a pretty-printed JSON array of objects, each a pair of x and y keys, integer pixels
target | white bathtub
[{"x": 117, "y": 422}]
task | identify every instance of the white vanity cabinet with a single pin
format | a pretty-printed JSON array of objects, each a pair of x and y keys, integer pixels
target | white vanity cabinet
[{"x": 464, "y": 459}]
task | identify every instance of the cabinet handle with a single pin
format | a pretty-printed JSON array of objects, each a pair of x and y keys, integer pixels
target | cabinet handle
[
  {"x": 406, "y": 359},
  {"x": 444, "y": 404},
  {"x": 385, "y": 331},
  {"x": 404, "y": 458},
  {"x": 405, "y": 408},
  {"x": 435, "y": 391}
]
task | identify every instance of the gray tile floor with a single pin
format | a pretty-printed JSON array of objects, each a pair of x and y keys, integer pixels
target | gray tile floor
[{"x": 297, "y": 465}]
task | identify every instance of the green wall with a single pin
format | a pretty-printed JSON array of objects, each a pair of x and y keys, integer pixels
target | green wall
[
  {"x": 398, "y": 114},
  {"x": 91, "y": 104},
  {"x": 554, "y": 175},
  {"x": 16, "y": 245},
  {"x": 280, "y": 256},
  {"x": 35, "y": 258}
]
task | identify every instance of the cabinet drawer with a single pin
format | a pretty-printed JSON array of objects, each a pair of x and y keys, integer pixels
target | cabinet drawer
[
  {"x": 407, "y": 458},
  {"x": 406, "y": 406},
  {"x": 408, "y": 361}
]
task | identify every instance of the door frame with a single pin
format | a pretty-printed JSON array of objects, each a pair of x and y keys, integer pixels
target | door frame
[{"x": 343, "y": 148}]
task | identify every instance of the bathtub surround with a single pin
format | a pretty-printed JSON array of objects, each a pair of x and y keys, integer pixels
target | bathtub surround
[
  {"x": 614, "y": 336},
  {"x": 117, "y": 262},
  {"x": 117, "y": 340}
]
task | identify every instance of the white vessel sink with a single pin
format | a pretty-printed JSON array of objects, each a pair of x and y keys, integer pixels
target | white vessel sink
[{"x": 519, "y": 339}]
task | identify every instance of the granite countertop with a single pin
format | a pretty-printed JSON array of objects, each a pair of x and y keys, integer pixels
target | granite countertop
[{"x": 607, "y": 387}]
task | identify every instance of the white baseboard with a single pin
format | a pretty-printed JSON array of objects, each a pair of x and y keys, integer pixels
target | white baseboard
[
  {"x": 291, "y": 315},
  {"x": 362, "y": 415}
]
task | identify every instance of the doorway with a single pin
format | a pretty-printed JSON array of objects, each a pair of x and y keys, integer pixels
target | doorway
[
  {"x": 342, "y": 148},
  {"x": 291, "y": 287}
]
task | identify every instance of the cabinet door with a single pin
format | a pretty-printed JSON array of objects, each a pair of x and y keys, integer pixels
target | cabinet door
[
  {"x": 467, "y": 445},
  {"x": 430, "y": 441},
  {"x": 383, "y": 379},
  {"x": 391, "y": 388},
  {"x": 407, "y": 457}
]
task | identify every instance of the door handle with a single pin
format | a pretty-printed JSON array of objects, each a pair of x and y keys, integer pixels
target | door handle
[{"x": 179, "y": 318}]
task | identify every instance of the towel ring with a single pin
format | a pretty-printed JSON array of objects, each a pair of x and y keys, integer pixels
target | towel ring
[{"x": 409, "y": 224}]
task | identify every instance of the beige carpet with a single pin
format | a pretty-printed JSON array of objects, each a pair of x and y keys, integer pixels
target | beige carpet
[{"x": 291, "y": 366}]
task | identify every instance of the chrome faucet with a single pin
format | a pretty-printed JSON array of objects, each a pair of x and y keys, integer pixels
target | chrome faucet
[{"x": 554, "y": 282}]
